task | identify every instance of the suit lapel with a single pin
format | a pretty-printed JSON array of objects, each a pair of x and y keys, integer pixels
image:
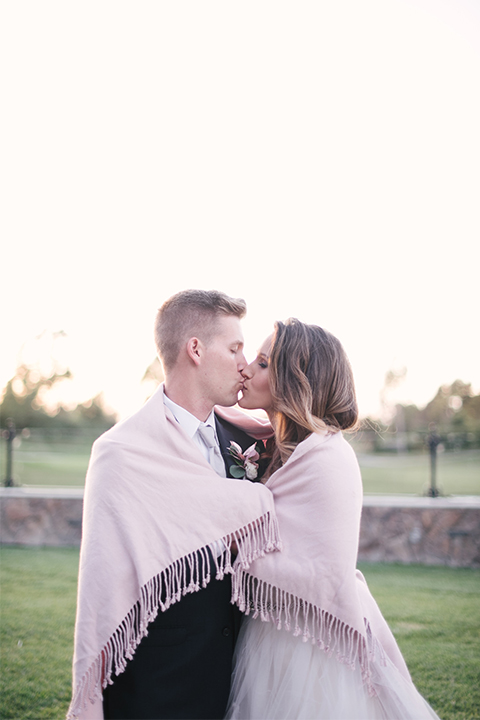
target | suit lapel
[
  {"x": 226, "y": 432},
  {"x": 224, "y": 437}
]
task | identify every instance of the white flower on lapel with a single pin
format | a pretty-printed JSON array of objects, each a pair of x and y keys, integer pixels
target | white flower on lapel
[{"x": 246, "y": 464}]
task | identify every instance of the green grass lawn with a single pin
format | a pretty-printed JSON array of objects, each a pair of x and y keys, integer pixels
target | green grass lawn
[
  {"x": 37, "y": 602},
  {"x": 65, "y": 464},
  {"x": 458, "y": 473},
  {"x": 434, "y": 613},
  {"x": 62, "y": 469}
]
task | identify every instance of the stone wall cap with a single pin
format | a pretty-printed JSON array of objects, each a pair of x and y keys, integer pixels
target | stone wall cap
[
  {"x": 45, "y": 491},
  {"x": 419, "y": 501},
  {"x": 407, "y": 501}
]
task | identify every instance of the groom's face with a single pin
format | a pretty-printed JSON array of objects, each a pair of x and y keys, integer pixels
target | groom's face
[{"x": 223, "y": 362}]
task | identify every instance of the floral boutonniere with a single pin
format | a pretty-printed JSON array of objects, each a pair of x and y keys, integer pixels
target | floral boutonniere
[{"x": 246, "y": 463}]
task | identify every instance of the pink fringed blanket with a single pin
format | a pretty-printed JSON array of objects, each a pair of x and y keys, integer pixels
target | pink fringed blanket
[
  {"x": 312, "y": 588},
  {"x": 151, "y": 502}
]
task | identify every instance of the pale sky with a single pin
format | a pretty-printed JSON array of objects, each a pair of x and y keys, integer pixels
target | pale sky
[{"x": 319, "y": 159}]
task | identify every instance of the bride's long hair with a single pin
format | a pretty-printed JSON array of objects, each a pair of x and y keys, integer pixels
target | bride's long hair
[{"x": 312, "y": 386}]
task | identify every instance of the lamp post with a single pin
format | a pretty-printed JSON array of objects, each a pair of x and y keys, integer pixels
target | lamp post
[
  {"x": 433, "y": 441},
  {"x": 9, "y": 434}
]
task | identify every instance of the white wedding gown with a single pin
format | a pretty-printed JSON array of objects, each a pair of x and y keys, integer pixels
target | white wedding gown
[{"x": 278, "y": 677}]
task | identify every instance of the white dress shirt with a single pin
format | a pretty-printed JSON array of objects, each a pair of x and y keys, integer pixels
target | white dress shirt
[{"x": 190, "y": 424}]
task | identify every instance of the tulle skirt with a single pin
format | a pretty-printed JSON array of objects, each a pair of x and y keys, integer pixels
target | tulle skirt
[{"x": 276, "y": 676}]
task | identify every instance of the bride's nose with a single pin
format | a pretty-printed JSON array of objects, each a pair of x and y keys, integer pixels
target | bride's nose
[{"x": 246, "y": 372}]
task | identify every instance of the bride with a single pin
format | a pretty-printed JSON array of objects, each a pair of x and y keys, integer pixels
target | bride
[{"x": 313, "y": 644}]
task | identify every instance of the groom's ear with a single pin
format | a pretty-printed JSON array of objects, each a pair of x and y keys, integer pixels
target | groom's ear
[{"x": 195, "y": 350}]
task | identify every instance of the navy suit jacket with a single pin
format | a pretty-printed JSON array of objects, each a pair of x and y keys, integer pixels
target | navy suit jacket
[{"x": 182, "y": 669}]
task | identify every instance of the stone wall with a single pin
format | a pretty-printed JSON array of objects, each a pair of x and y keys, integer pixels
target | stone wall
[
  {"x": 430, "y": 531},
  {"x": 429, "y": 535},
  {"x": 41, "y": 516}
]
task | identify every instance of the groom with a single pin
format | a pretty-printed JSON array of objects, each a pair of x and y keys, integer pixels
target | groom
[{"x": 182, "y": 668}]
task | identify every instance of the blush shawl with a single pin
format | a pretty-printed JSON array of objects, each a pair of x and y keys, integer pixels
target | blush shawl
[
  {"x": 312, "y": 588},
  {"x": 152, "y": 503}
]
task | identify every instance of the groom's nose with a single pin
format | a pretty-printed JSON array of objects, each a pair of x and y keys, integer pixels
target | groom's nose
[{"x": 242, "y": 363}]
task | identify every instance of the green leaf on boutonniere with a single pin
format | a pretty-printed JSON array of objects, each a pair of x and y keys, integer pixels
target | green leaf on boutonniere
[{"x": 236, "y": 471}]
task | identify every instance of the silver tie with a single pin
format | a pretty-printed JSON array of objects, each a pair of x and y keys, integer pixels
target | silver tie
[{"x": 215, "y": 458}]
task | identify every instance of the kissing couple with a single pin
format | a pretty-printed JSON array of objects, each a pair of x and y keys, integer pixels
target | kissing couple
[{"x": 218, "y": 561}]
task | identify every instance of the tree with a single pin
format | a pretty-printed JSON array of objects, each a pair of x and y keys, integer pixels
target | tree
[
  {"x": 454, "y": 410},
  {"x": 21, "y": 400},
  {"x": 25, "y": 398}
]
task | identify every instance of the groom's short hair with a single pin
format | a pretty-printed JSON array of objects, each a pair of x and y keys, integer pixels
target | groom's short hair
[{"x": 191, "y": 313}]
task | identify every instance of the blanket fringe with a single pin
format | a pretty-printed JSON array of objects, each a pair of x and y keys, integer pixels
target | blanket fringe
[
  {"x": 186, "y": 575},
  {"x": 292, "y": 614}
]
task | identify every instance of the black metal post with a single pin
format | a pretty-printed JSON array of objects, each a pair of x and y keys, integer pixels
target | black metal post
[
  {"x": 433, "y": 442},
  {"x": 9, "y": 435}
]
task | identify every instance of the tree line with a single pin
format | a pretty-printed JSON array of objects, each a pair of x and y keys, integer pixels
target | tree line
[
  {"x": 453, "y": 414},
  {"x": 22, "y": 402}
]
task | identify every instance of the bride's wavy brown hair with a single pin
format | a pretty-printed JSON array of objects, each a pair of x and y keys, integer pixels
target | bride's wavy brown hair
[{"x": 312, "y": 385}]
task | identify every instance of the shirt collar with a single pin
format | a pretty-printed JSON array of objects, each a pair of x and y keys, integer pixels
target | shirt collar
[{"x": 188, "y": 422}]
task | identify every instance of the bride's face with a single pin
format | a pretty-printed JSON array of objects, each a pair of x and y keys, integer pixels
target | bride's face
[{"x": 256, "y": 386}]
